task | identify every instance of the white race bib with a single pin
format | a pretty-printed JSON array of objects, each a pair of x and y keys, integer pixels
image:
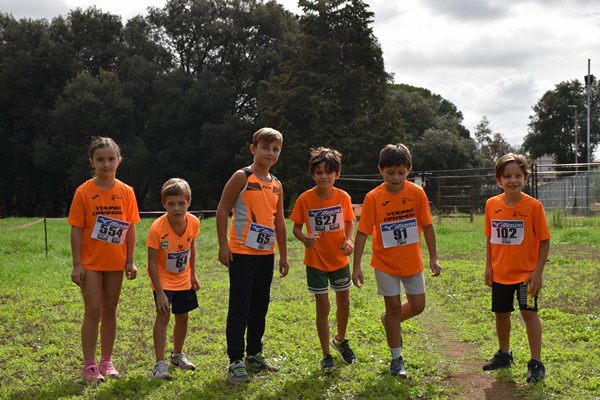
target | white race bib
[
  {"x": 260, "y": 237},
  {"x": 110, "y": 230},
  {"x": 328, "y": 219},
  {"x": 177, "y": 261},
  {"x": 399, "y": 233},
  {"x": 509, "y": 232}
]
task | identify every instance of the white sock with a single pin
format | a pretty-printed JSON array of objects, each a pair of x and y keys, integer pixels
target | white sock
[{"x": 396, "y": 352}]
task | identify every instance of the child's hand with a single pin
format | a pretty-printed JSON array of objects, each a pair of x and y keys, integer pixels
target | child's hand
[
  {"x": 357, "y": 277},
  {"x": 78, "y": 274},
  {"x": 225, "y": 256},
  {"x": 347, "y": 247},
  {"x": 162, "y": 303},
  {"x": 488, "y": 277},
  {"x": 310, "y": 239},
  {"x": 130, "y": 271},
  {"x": 435, "y": 267},
  {"x": 195, "y": 283},
  {"x": 535, "y": 282},
  {"x": 283, "y": 268}
]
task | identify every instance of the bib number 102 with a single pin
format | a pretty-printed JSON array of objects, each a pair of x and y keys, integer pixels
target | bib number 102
[{"x": 506, "y": 233}]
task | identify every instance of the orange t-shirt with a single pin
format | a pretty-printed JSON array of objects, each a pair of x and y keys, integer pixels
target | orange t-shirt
[
  {"x": 515, "y": 234},
  {"x": 174, "y": 251},
  {"x": 395, "y": 220},
  {"x": 328, "y": 218},
  {"x": 105, "y": 216},
  {"x": 253, "y": 224}
]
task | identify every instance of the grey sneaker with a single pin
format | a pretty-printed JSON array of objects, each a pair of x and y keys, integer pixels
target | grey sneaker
[
  {"x": 237, "y": 372},
  {"x": 181, "y": 361},
  {"x": 327, "y": 364},
  {"x": 161, "y": 371},
  {"x": 500, "y": 360},
  {"x": 258, "y": 363},
  {"x": 344, "y": 349},
  {"x": 535, "y": 371},
  {"x": 397, "y": 367}
]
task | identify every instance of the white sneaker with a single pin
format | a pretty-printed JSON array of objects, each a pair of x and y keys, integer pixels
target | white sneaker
[
  {"x": 180, "y": 361},
  {"x": 161, "y": 371}
]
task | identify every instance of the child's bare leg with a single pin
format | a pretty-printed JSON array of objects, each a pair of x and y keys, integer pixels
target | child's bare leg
[
  {"x": 322, "y": 304},
  {"x": 503, "y": 330},
  {"x": 414, "y": 305},
  {"x": 534, "y": 333},
  {"x": 179, "y": 332},
  {"x": 110, "y": 300},
  {"x": 91, "y": 289},
  {"x": 342, "y": 300},
  {"x": 159, "y": 335},
  {"x": 393, "y": 315}
]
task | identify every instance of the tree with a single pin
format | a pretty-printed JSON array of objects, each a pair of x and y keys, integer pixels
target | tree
[
  {"x": 329, "y": 91},
  {"x": 552, "y": 126},
  {"x": 491, "y": 145},
  {"x": 442, "y": 150}
]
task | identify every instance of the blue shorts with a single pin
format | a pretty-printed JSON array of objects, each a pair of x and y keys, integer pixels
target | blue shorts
[
  {"x": 503, "y": 297},
  {"x": 181, "y": 301}
]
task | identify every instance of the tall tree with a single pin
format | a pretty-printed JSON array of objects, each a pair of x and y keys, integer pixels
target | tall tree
[
  {"x": 552, "y": 126},
  {"x": 330, "y": 91},
  {"x": 492, "y": 145}
]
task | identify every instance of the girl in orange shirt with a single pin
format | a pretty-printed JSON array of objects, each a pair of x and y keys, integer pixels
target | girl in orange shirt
[{"x": 102, "y": 218}]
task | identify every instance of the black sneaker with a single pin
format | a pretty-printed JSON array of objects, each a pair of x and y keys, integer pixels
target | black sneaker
[
  {"x": 259, "y": 363},
  {"x": 327, "y": 364},
  {"x": 500, "y": 360},
  {"x": 344, "y": 349},
  {"x": 535, "y": 371},
  {"x": 397, "y": 368}
]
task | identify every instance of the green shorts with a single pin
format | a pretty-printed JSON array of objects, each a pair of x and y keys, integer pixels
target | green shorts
[{"x": 319, "y": 281}]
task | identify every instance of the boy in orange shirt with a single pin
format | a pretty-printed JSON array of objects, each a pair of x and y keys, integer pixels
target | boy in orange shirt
[
  {"x": 255, "y": 197},
  {"x": 327, "y": 213},
  {"x": 518, "y": 242},
  {"x": 172, "y": 270},
  {"x": 395, "y": 213}
]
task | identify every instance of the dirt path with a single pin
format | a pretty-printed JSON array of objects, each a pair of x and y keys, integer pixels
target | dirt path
[{"x": 466, "y": 374}]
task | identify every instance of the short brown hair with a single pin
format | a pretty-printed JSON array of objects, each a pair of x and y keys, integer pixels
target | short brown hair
[
  {"x": 520, "y": 159},
  {"x": 267, "y": 135},
  {"x": 176, "y": 187},
  {"x": 394, "y": 155},
  {"x": 332, "y": 159}
]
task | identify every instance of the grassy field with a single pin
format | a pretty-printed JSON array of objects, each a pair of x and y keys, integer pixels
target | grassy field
[{"x": 41, "y": 311}]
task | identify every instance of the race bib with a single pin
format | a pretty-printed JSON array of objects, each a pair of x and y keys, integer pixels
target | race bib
[
  {"x": 177, "y": 261},
  {"x": 110, "y": 230},
  {"x": 260, "y": 237},
  {"x": 399, "y": 233},
  {"x": 509, "y": 232},
  {"x": 326, "y": 219}
]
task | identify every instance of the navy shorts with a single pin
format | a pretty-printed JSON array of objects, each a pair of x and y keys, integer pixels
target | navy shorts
[
  {"x": 503, "y": 297},
  {"x": 181, "y": 301}
]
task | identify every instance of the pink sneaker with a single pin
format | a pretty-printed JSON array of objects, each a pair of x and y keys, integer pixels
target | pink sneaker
[
  {"x": 91, "y": 374},
  {"x": 108, "y": 369}
]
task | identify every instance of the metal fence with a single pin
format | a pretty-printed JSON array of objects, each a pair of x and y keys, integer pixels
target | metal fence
[{"x": 571, "y": 189}]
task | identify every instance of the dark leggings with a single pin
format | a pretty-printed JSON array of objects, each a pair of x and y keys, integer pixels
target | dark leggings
[{"x": 250, "y": 278}]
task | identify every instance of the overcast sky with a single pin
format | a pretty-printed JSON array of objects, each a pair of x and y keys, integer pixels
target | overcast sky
[{"x": 489, "y": 57}]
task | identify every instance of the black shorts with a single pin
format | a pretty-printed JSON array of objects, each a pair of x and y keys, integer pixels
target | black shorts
[
  {"x": 181, "y": 301},
  {"x": 503, "y": 297}
]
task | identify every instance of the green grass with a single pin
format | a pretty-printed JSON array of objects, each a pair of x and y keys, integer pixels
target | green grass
[{"x": 41, "y": 311}]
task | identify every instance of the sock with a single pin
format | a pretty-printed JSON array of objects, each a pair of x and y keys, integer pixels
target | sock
[
  {"x": 87, "y": 363},
  {"x": 105, "y": 358},
  {"x": 396, "y": 352},
  {"x": 175, "y": 354}
]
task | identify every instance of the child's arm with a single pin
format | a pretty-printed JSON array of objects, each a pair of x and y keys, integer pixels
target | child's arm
[
  {"x": 78, "y": 272},
  {"x": 535, "y": 279},
  {"x": 308, "y": 240},
  {"x": 162, "y": 303},
  {"x": 488, "y": 277},
  {"x": 130, "y": 268},
  {"x": 359, "y": 247},
  {"x": 193, "y": 278},
  {"x": 281, "y": 237},
  {"x": 231, "y": 191},
  {"x": 348, "y": 245},
  {"x": 429, "y": 234}
]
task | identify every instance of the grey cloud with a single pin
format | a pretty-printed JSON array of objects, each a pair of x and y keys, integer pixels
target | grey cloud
[
  {"x": 35, "y": 9},
  {"x": 470, "y": 9}
]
